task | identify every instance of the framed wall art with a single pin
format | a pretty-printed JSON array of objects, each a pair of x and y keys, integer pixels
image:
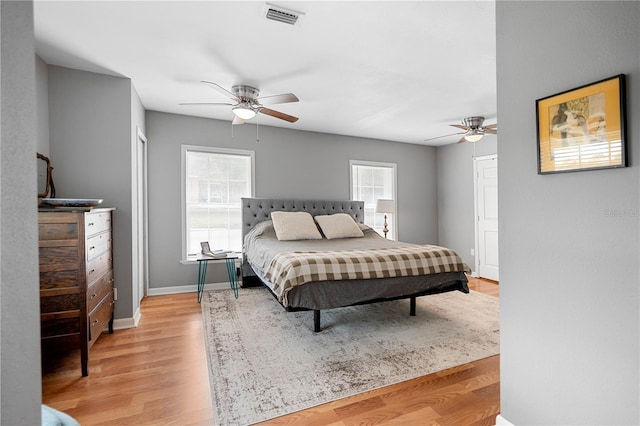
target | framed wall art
[{"x": 583, "y": 128}]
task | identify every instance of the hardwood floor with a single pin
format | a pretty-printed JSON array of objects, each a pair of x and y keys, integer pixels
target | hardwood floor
[
  {"x": 484, "y": 286},
  {"x": 156, "y": 374}
]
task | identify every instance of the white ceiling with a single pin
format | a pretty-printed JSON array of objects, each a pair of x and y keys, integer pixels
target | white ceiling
[{"x": 399, "y": 71}]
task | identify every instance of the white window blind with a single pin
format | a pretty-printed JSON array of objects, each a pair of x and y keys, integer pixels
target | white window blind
[
  {"x": 597, "y": 154},
  {"x": 214, "y": 181}
]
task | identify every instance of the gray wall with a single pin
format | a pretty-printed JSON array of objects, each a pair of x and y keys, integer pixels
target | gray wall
[
  {"x": 290, "y": 164},
  {"x": 42, "y": 104},
  {"x": 20, "y": 389},
  {"x": 456, "y": 226},
  {"x": 569, "y": 279},
  {"x": 90, "y": 130}
]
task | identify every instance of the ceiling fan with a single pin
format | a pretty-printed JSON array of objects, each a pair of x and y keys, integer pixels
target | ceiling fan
[
  {"x": 473, "y": 130},
  {"x": 247, "y": 103}
]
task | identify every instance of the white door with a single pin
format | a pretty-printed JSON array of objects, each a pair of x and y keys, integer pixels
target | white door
[{"x": 486, "y": 175}]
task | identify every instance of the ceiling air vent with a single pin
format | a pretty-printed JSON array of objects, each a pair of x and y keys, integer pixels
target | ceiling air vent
[{"x": 280, "y": 14}]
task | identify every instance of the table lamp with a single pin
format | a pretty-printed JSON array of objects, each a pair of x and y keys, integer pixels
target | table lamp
[{"x": 386, "y": 207}]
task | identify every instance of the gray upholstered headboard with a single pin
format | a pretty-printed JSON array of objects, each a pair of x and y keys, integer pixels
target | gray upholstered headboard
[{"x": 256, "y": 210}]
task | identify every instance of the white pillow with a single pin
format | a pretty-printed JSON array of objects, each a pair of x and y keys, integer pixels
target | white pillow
[
  {"x": 295, "y": 226},
  {"x": 339, "y": 225}
]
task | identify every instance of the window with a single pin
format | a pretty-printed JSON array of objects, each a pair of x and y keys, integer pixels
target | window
[
  {"x": 369, "y": 182},
  {"x": 213, "y": 182}
]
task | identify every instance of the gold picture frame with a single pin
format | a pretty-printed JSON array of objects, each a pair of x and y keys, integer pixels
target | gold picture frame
[{"x": 583, "y": 128}]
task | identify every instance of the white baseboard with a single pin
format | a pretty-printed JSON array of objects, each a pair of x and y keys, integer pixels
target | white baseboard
[
  {"x": 125, "y": 323},
  {"x": 501, "y": 421},
  {"x": 160, "y": 291},
  {"x": 137, "y": 316}
]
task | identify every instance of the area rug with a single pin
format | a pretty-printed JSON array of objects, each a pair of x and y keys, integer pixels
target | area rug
[{"x": 265, "y": 362}]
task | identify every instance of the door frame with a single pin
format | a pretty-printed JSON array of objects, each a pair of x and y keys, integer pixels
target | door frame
[
  {"x": 476, "y": 216},
  {"x": 139, "y": 194}
]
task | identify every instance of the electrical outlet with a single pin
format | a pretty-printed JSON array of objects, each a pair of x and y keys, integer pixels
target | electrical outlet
[{"x": 473, "y": 252}]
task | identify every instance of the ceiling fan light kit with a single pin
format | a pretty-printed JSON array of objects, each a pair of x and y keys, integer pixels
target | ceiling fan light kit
[
  {"x": 473, "y": 135},
  {"x": 244, "y": 111}
]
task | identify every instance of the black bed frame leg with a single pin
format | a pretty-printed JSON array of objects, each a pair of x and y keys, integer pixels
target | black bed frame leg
[
  {"x": 412, "y": 306},
  {"x": 316, "y": 320}
]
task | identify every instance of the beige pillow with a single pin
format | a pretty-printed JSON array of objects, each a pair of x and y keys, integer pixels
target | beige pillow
[
  {"x": 339, "y": 225},
  {"x": 295, "y": 226}
]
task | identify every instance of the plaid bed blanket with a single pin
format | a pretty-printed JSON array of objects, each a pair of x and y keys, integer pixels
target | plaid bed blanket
[{"x": 290, "y": 269}]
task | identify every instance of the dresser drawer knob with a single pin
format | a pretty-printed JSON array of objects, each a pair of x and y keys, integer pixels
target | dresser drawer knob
[
  {"x": 92, "y": 248},
  {"x": 91, "y": 271},
  {"x": 90, "y": 224},
  {"x": 95, "y": 322},
  {"x": 93, "y": 296}
]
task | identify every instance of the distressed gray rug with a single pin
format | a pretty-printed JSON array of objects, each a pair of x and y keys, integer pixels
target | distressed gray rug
[{"x": 265, "y": 362}]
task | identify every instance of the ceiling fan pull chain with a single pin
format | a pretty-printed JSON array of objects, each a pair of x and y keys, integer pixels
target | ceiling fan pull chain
[{"x": 257, "y": 126}]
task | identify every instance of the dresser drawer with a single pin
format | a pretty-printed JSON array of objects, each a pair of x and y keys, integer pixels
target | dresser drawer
[
  {"x": 100, "y": 317},
  {"x": 98, "y": 244},
  {"x": 58, "y": 257},
  {"x": 60, "y": 300},
  {"x": 60, "y": 324},
  {"x": 98, "y": 290},
  {"x": 96, "y": 222},
  {"x": 48, "y": 231},
  {"x": 52, "y": 280},
  {"x": 98, "y": 266}
]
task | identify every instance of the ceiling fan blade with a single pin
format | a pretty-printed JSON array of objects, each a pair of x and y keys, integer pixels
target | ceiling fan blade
[
  {"x": 460, "y": 126},
  {"x": 206, "y": 103},
  {"x": 462, "y": 140},
  {"x": 278, "y": 114},
  {"x": 278, "y": 99},
  {"x": 222, "y": 90},
  {"x": 237, "y": 120},
  {"x": 444, "y": 136},
  {"x": 490, "y": 131}
]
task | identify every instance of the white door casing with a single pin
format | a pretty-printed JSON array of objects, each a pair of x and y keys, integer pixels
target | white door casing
[
  {"x": 486, "y": 209},
  {"x": 140, "y": 264}
]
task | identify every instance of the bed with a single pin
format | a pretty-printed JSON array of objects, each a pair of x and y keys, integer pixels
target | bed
[{"x": 330, "y": 271}]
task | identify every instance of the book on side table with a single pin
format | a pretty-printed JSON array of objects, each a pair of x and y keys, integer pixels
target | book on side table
[{"x": 215, "y": 254}]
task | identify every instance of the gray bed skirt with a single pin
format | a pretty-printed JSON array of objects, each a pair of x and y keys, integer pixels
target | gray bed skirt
[{"x": 332, "y": 294}]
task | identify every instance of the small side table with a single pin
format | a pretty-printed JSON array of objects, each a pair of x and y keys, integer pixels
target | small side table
[{"x": 230, "y": 261}]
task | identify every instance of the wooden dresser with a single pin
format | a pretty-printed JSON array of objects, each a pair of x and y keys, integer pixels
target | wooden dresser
[{"x": 76, "y": 278}]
